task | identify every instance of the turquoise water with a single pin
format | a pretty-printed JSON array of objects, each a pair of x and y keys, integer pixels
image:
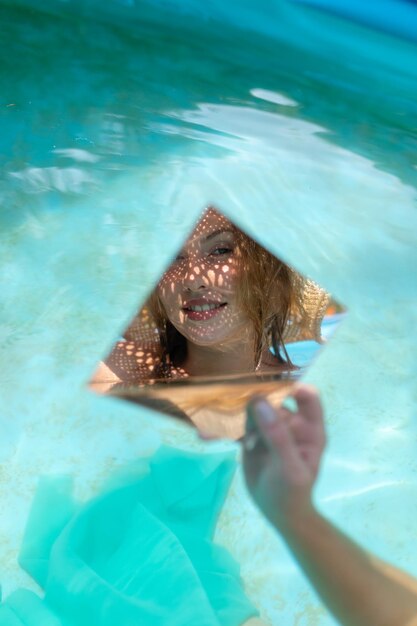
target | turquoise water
[
  {"x": 303, "y": 353},
  {"x": 118, "y": 125}
]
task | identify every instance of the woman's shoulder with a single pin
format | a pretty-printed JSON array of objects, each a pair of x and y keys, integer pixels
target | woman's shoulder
[{"x": 132, "y": 362}]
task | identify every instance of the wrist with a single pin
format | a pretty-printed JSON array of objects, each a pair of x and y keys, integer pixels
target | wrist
[{"x": 291, "y": 519}]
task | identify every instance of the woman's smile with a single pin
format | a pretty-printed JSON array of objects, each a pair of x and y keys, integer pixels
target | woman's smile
[{"x": 202, "y": 309}]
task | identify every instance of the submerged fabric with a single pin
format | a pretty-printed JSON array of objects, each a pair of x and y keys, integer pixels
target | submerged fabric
[{"x": 140, "y": 553}]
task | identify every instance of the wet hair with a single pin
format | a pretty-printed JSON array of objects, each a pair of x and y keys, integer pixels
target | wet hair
[{"x": 267, "y": 292}]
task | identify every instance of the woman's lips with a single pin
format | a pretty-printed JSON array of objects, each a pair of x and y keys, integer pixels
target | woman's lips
[{"x": 204, "y": 311}]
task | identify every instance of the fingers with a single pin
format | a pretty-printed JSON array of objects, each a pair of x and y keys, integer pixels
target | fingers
[
  {"x": 310, "y": 411},
  {"x": 308, "y": 402},
  {"x": 276, "y": 435},
  {"x": 294, "y": 439}
]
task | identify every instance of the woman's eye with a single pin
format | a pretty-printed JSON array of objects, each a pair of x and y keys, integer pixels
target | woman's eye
[{"x": 221, "y": 250}]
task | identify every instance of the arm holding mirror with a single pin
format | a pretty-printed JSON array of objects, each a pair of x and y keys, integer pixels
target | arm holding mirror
[{"x": 281, "y": 462}]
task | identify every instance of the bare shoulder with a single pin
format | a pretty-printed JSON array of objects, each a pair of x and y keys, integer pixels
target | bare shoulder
[{"x": 132, "y": 361}]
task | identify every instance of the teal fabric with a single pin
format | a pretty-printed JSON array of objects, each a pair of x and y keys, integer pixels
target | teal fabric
[
  {"x": 140, "y": 553},
  {"x": 52, "y": 508},
  {"x": 24, "y": 608}
]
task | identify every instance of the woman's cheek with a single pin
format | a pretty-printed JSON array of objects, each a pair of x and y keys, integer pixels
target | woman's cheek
[
  {"x": 211, "y": 278},
  {"x": 228, "y": 278},
  {"x": 164, "y": 298},
  {"x": 172, "y": 301}
]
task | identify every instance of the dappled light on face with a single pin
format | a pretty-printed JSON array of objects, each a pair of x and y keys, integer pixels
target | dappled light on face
[
  {"x": 198, "y": 298},
  {"x": 227, "y": 319}
]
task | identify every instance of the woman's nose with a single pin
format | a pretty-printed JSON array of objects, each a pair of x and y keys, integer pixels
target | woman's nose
[{"x": 194, "y": 278}]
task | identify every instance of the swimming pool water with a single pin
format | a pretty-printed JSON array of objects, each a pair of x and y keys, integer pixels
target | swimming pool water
[{"x": 118, "y": 125}]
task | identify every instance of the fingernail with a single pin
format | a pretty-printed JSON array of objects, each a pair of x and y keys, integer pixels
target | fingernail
[{"x": 264, "y": 412}]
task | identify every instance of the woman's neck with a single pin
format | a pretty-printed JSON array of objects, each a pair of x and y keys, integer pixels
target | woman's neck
[
  {"x": 237, "y": 359},
  {"x": 219, "y": 360}
]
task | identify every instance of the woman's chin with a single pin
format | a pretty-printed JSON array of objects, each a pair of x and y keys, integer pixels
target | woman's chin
[
  {"x": 220, "y": 342},
  {"x": 208, "y": 342}
]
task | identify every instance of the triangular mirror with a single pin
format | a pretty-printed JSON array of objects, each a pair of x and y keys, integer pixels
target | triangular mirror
[{"x": 227, "y": 320}]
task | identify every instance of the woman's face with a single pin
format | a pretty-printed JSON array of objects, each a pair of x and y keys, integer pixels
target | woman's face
[{"x": 198, "y": 291}]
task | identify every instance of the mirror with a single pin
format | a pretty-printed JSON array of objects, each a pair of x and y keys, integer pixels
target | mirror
[{"x": 226, "y": 320}]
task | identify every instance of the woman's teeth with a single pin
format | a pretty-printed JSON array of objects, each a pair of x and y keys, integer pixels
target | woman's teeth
[{"x": 204, "y": 307}]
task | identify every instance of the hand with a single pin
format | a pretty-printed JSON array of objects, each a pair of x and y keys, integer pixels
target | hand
[{"x": 282, "y": 452}]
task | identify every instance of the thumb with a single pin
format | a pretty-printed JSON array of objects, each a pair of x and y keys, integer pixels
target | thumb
[{"x": 277, "y": 437}]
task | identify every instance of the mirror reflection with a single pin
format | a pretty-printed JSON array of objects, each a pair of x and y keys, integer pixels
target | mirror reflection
[{"x": 226, "y": 320}]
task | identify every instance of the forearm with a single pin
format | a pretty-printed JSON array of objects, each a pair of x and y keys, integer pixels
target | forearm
[{"x": 357, "y": 588}]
